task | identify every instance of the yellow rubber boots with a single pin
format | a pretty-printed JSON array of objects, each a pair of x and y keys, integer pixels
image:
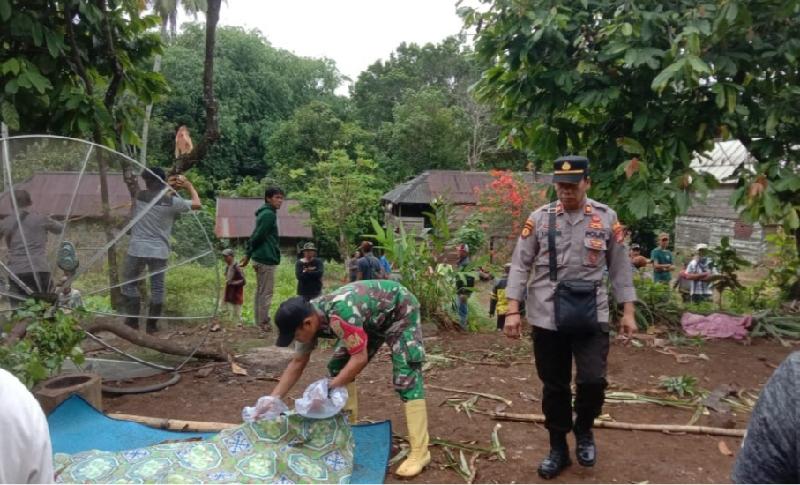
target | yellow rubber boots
[
  {"x": 417, "y": 423},
  {"x": 352, "y": 402}
]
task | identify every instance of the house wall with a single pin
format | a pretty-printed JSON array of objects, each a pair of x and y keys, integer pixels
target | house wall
[{"x": 709, "y": 220}]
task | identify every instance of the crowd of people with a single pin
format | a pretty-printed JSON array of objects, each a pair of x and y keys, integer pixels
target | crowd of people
[
  {"x": 692, "y": 281},
  {"x": 565, "y": 252}
]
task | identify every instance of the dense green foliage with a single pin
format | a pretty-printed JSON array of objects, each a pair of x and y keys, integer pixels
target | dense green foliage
[
  {"x": 257, "y": 86},
  {"x": 52, "y": 336},
  {"x": 77, "y": 68},
  {"x": 639, "y": 87}
]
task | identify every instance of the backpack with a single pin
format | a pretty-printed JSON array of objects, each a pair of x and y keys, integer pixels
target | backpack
[{"x": 375, "y": 268}]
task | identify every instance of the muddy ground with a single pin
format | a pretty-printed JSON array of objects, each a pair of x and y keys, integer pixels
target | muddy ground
[{"x": 624, "y": 456}]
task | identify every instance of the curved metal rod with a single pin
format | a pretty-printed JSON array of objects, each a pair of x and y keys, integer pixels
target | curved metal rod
[
  {"x": 13, "y": 196},
  {"x": 71, "y": 203},
  {"x": 148, "y": 275},
  {"x": 104, "y": 249}
]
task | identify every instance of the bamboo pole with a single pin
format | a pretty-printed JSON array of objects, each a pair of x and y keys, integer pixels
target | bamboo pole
[
  {"x": 174, "y": 424},
  {"x": 495, "y": 397},
  {"x": 674, "y": 428}
]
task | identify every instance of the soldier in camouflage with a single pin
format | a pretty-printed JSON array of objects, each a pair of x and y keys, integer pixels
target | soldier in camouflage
[{"x": 361, "y": 316}]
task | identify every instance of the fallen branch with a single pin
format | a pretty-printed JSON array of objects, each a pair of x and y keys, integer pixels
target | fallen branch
[
  {"x": 191, "y": 369},
  {"x": 539, "y": 418},
  {"x": 495, "y": 397},
  {"x": 174, "y": 424},
  {"x": 480, "y": 362},
  {"x": 166, "y": 346}
]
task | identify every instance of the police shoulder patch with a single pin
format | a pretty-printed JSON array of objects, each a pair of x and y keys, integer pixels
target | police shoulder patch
[
  {"x": 528, "y": 228},
  {"x": 619, "y": 232}
]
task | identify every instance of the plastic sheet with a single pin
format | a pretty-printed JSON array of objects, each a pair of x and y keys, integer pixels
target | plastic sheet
[
  {"x": 267, "y": 408},
  {"x": 319, "y": 402}
]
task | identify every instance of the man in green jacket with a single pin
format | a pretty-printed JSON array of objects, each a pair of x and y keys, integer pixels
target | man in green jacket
[{"x": 263, "y": 249}]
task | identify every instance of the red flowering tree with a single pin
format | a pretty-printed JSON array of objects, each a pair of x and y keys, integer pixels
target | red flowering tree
[{"x": 503, "y": 207}]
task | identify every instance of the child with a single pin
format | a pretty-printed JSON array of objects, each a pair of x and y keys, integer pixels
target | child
[
  {"x": 499, "y": 301},
  {"x": 68, "y": 298},
  {"x": 234, "y": 286}
]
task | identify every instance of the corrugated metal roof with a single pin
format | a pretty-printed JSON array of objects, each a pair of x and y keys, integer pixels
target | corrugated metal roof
[
  {"x": 457, "y": 186},
  {"x": 51, "y": 194},
  {"x": 236, "y": 218},
  {"x": 723, "y": 160}
]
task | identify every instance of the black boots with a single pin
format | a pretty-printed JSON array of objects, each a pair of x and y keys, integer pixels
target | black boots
[
  {"x": 152, "y": 320},
  {"x": 132, "y": 309},
  {"x": 555, "y": 463},
  {"x": 558, "y": 459},
  {"x": 585, "y": 450}
]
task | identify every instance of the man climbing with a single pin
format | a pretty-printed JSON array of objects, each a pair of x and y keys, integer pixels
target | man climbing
[
  {"x": 362, "y": 316},
  {"x": 156, "y": 211}
]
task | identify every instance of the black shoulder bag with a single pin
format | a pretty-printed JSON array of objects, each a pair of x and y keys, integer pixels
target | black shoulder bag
[{"x": 575, "y": 301}]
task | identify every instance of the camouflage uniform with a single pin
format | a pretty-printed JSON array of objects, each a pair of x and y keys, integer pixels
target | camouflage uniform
[{"x": 365, "y": 314}]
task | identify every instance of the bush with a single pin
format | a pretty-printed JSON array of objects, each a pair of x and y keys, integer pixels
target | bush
[
  {"x": 51, "y": 337},
  {"x": 433, "y": 284}
]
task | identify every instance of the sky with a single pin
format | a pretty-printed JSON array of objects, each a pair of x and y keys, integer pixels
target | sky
[{"x": 354, "y": 33}]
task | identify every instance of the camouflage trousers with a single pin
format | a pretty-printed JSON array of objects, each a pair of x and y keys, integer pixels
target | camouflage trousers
[{"x": 404, "y": 337}]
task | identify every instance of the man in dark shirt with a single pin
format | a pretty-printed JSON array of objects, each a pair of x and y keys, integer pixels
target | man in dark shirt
[
  {"x": 309, "y": 270},
  {"x": 369, "y": 267},
  {"x": 771, "y": 449}
]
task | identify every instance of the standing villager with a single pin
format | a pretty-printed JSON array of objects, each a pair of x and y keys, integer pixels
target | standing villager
[
  {"x": 498, "y": 302},
  {"x": 369, "y": 266},
  {"x": 263, "y": 248},
  {"x": 352, "y": 266},
  {"x": 309, "y": 271},
  {"x": 234, "y": 286},
  {"x": 148, "y": 248},
  {"x": 361, "y": 316},
  {"x": 567, "y": 245},
  {"x": 25, "y": 235},
  {"x": 465, "y": 285},
  {"x": 698, "y": 272},
  {"x": 661, "y": 257}
]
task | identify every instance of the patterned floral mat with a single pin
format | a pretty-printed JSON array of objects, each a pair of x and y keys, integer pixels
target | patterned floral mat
[{"x": 291, "y": 449}]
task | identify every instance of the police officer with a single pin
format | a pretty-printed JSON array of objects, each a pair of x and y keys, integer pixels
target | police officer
[{"x": 587, "y": 239}]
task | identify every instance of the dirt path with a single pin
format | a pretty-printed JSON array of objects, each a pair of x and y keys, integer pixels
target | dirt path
[{"x": 624, "y": 456}]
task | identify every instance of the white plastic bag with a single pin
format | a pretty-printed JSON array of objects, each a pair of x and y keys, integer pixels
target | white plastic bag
[
  {"x": 266, "y": 408},
  {"x": 320, "y": 403}
]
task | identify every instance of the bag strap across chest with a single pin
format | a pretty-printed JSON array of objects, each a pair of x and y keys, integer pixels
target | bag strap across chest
[{"x": 551, "y": 241}]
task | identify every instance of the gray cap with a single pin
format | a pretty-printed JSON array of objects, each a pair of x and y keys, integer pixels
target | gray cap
[{"x": 227, "y": 252}]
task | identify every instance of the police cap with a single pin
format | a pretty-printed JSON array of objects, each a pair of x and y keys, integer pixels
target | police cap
[{"x": 570, "y": 169}]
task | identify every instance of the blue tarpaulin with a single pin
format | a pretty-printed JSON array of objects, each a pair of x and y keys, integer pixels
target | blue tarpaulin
[{"x": 76, "y": 426}]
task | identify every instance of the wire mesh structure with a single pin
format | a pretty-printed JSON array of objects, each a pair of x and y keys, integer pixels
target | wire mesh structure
[{"x": 81, "y": 224}]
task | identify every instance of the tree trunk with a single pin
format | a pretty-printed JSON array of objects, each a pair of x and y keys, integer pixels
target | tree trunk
[
  {"x": 344, "y": 252},
  {"x": 113, "y": 268},
  {"x": 148, "y": 111},
  {"x": 187, "y": 161},
  {"x": 166, "y": 346}
]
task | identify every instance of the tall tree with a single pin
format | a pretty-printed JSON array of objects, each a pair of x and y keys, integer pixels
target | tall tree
[
  {"x": 168, "y": 11},
  {"x": 640, "y": 87},
  {"x": 411, "y": 68},
  {"x": 426, "y": 134},
  {"x": 341, "y": 195},
  {"x": 258, "y": 86}
]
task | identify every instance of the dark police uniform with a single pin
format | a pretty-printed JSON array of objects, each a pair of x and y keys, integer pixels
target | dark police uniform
[{"x": 587, "y": 242}]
